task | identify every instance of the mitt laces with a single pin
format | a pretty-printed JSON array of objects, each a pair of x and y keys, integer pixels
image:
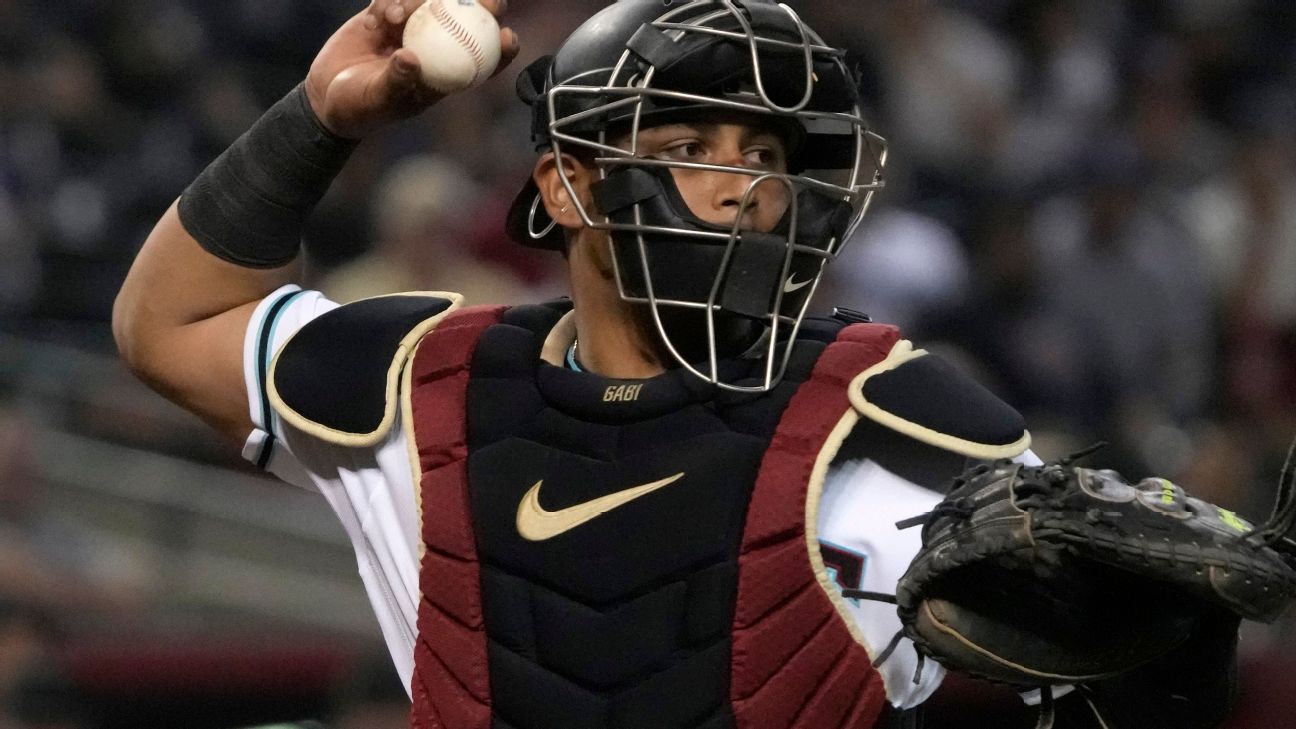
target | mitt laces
[
  {"x": 895, "y": 639},
  {"x": 1082, "y": 453},
  {"x": 960, "y": 508},
  {"x": 1047, "y": 713},
  {"x": 894, "y": 643},
  {"x": 963, "y": 507}
]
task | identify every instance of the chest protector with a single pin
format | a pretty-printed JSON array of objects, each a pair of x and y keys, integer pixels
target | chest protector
[{"x": 603, "y": 554}]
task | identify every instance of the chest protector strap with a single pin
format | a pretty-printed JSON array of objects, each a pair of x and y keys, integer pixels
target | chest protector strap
[
  {"x": 796, "y": 662},
  {"x": 451, "y": 684}
]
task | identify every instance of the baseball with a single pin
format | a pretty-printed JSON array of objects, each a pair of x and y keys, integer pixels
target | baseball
[{"x": 457, "y": 43}]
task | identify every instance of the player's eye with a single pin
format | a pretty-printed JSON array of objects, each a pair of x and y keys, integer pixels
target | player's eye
[
  {"x": 689, "y": 150},
  {"x": 764, "y": 158}
]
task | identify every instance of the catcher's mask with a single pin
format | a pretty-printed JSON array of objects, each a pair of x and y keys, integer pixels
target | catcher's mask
[{"x": 642, "y": 63}]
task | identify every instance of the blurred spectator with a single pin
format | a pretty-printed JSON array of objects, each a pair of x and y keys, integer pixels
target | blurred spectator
[
  {"x": 1071, "y": 87},
  {"x": 24, "y": 640},
  {"x": 1011, "y": 324},
  {"x": 34, "y": 691},
  {"x": 20, "y": 267},
  {"x": 901, "y": 267},
  {"x": 1124, "y": 277},
  {"x": 951, "y": 86},
  {"x": 45, "y": 560},
  {"x": 1179, "y": 146},
  {"x": 1245, "y": 226},
  {"x": 424, "y": 210},
  {"x": 45, "y": 698}
]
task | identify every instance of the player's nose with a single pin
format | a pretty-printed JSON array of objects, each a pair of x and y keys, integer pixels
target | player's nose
[{"x": 730, "y": 189}]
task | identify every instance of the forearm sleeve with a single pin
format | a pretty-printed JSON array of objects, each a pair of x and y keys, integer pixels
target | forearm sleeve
[{"x": 249, "y": 205}]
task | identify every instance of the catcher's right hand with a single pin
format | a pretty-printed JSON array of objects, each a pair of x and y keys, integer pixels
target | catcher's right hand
[{"x": 363, "y": 79}]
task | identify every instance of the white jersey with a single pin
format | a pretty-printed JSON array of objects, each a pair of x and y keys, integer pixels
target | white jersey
[{"x": 372, "y": 491}]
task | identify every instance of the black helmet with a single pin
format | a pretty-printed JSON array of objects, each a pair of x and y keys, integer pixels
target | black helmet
[{"x": 639, "y": 63}]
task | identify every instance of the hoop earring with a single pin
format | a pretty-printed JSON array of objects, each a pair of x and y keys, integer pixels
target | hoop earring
[{"x": 531, "y": 231}]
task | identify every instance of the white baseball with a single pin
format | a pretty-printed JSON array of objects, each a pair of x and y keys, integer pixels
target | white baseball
[{"x": 457, "y": 43}]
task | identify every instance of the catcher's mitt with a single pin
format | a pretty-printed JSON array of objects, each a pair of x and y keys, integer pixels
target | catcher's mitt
[{"x": 1054, "y": 574}]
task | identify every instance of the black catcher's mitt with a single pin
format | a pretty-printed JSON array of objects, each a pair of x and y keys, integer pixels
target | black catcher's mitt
[{"x": 1055, "y": 574}]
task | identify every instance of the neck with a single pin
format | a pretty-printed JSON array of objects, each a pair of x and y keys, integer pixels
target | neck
[{"x": 616, "y": 338}]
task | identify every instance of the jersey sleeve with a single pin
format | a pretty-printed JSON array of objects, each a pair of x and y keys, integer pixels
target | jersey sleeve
[
  {"x": 274, "y": 321},
  {"x": 370, "y": 488},
  {"x": 862, "y": 549}
]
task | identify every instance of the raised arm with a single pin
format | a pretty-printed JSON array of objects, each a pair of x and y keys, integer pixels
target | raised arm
[{"x": 233, "y": 236}]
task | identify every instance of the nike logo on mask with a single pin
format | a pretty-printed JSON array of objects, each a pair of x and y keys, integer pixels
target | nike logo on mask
[
  {"x": 537, "y": 524},
  {"x": 792, "y": 285}
]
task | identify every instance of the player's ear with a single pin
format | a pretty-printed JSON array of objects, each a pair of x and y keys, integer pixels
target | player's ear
[{"x": 548, "y": 175}]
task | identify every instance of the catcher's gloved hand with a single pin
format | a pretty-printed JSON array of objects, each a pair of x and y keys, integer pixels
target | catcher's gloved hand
[{"x": 1054, "y": 574}]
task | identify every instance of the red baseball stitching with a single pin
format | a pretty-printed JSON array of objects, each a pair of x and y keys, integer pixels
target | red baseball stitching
[{"x": 462, "y": 35}]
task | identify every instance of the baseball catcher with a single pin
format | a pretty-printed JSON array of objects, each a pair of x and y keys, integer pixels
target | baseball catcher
[{"x": 637, "y": 507}]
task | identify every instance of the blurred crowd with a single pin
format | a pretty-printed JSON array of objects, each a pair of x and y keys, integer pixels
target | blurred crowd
[{"x": 1089, "y": 203}]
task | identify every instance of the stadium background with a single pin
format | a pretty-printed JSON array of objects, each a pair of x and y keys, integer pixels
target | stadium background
[{"x": 1092, "y": 204}]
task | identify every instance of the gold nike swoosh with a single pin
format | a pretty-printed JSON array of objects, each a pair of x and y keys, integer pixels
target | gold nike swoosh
[{"x": 536, "y": 524}]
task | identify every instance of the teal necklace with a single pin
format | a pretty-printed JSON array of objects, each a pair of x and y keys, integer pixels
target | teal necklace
[{"x": 572, "y": 364}]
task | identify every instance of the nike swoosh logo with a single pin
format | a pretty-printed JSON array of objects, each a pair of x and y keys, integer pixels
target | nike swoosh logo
[
  {"x": 792, "y": 285},
  {"x": 536, "y": 524}
]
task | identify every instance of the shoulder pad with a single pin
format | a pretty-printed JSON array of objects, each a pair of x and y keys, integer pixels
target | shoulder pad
[
  {"x": 337, "y": 377},
  {"x": 924, "y": 397}
]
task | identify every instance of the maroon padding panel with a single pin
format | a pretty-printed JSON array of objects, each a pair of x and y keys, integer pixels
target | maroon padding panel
[
  {"x": 795, "y": 664},
  {"x": 451, "y": 683}
]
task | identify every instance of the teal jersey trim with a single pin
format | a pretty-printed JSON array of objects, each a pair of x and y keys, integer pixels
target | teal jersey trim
[{"x": 263, "y": 355}]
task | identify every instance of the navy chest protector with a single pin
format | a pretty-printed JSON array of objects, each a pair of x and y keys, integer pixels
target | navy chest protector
[
  {"x": 610, "y": 533},
  {"x": 607, "y": 527}
]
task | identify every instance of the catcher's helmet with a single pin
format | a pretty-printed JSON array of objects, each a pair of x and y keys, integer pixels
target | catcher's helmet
[{"x": 640, "y": 63}]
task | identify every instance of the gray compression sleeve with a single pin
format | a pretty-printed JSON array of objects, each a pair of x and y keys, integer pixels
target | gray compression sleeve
[{"x": 248, "y": 207}]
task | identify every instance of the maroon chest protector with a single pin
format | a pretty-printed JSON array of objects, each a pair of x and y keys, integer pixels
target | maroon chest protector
[{"x": 787, "y": 657}]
